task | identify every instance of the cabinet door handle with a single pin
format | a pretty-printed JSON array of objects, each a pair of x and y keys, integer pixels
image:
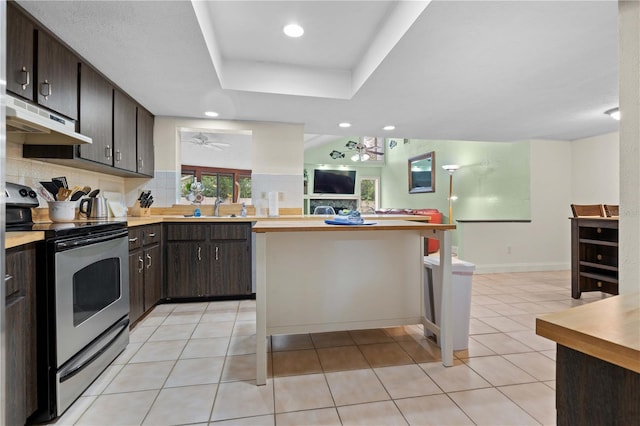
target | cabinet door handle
[
  {"x": 217, "y": 252},
  {"x": 140, "y": 162},
  {"x": 45, "y": 89},
  {"x": 141, "y": 264},
  {"x": 133, "y": 240},
  {"x": 107, "y": 151},
  {"x": 199, "y": 253},
  {"x": 26, "y": 78},
  {"x": 118, "y": 155},
  {"x": 149, "y": 261},
  {"x": 8, "y": 277}
]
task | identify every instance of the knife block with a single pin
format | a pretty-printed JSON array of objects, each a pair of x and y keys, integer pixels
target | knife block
[{"x": 138, "y": 211}]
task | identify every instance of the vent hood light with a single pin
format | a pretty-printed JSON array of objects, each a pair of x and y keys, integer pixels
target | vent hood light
[
  {"x": 31, "y": 125},
  {"x": 344, "y": 125}
]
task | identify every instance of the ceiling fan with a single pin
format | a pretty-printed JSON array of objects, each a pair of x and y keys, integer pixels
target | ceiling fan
[
  {"x": 363, "y": 150},
  {"x": 202, "y": 140}
]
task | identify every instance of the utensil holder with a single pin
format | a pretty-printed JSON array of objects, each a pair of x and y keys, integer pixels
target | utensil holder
[{"x": 138, "y": 211}]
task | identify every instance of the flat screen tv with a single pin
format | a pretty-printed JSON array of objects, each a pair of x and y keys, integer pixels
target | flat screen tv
[{"x": 334, "y": 181}]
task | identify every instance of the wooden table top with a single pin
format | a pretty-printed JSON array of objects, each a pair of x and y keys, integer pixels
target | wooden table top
[{"x": 608, "y": 329}]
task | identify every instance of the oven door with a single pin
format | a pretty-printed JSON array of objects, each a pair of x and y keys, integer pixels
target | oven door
[{"x": 91, "y": 289}]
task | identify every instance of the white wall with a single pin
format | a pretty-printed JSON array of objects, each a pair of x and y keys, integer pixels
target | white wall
[
  {"x": 595, "y": 170},
  {"x": 542, "y": 244}
]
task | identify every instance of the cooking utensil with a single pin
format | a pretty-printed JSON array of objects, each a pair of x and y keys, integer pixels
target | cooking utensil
[
  {"x": 63, "y": 194},
  {"x": 94, "y": 207},
  {"x": 77, "y": 195},
  {"x": 45, "y": 194},
  {"x": 94, "y": 193},
  {"x": 86, "y": 189},
  {"x": 61, "y": 182},
  {"x": 51, "y": 187}
]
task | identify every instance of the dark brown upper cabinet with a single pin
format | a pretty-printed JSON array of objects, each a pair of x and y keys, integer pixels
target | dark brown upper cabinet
[
  {"x": 124, "y": 132},
  {"x": 20, "y": 31},
  {"x": 96, "y": 116},
  {"x": 57, "y": 84},
  {"x": 145, "y": 142}
]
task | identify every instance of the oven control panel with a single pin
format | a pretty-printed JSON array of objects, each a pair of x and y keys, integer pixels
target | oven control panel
[{"x": 20, "y": 195}]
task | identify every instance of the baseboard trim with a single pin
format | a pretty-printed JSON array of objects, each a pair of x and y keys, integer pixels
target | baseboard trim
[{"x": 521, "y": 267}]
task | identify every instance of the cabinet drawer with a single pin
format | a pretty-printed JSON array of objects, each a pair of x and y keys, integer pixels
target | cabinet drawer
[
  {"x": 594, "y": 282},
  {"x": 152, "y": 234},
  {"x": 230, "y": 231},
  {"x": 599, "y": 254},
  {"x": 135, "y": 238},
  {"x": 187, "y": 232}
]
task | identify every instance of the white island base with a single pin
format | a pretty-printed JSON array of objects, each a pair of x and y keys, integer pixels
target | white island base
[{"x": 313, "y": 277}]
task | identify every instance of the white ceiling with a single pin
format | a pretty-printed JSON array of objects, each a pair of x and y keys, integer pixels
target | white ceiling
[{"x": 477, "y": 70}]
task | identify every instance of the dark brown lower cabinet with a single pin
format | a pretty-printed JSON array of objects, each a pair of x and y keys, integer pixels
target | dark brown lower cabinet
[
  {"x": 208, "y": 260},
  {"x": 145, "y": 269},
  {"x": 20, "y": 326}
]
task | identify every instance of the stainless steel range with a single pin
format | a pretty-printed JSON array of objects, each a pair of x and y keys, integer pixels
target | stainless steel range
[{"x": 82, "y": 294}]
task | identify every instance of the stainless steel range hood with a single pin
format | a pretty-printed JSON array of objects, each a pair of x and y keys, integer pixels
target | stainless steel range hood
[{"x": 31, "y": 125}]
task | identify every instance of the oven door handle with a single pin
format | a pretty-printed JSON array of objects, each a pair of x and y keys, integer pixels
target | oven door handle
[
  {"x": 93, "y": 351},
  {"x": 93, "y": 239}
]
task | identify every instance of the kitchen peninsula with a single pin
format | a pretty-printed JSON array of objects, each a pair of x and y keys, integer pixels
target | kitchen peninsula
[{"x": 315, "y": 277}]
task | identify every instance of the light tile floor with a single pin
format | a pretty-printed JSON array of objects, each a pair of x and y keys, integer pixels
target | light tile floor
[{"x": 195, "y": 364}]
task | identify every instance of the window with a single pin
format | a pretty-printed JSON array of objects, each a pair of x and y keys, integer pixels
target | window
[
  {"x": 230, "y": 185},
  {"x": 369, "y": 189}
]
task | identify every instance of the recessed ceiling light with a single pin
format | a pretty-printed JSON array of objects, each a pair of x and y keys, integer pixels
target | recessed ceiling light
[
  {"x": 344, "y": 125},
  {"x": 211, "y": 114},
  {"x": 388, "y": 127},
  {"x": 293, "y": 30}
]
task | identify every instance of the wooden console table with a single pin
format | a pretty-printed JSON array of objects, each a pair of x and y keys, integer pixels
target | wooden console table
[
  {"x": 314, "y": 277},
  {"x": 597, "y": 362},
  {"x": 594, "y": 255}
]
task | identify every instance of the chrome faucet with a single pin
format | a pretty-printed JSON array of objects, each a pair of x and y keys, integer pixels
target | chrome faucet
[{"x": 216, "y": 207}]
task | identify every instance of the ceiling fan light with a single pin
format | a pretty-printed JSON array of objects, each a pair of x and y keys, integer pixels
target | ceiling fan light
[
  {"x": 364, "y": 157},
  {"x": 355, "y": 157},
  {"x": 293, "y": 30},
  {"x": 211, "y": 114},
  {"x": 613, "y": 113}
]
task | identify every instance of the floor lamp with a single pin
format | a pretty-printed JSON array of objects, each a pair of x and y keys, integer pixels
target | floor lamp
[{"x": 451, "y": 168}]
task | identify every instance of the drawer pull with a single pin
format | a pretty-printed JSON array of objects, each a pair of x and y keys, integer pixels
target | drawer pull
[
  {"x": 133, "y": 240},
  {"x": 599, "y": 230},
  {"x": 8, "y": 277},
  {"x": 599, "y": 284},
  {"x": 152, "y": 235},
  {"x": 599, "y": 257}
]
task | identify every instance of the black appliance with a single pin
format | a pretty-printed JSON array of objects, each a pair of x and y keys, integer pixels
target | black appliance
[{"x": 82, "y": 294}]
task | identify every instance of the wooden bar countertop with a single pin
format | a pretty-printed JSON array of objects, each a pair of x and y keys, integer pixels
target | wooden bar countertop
[{"x": 608, "y": 329}]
